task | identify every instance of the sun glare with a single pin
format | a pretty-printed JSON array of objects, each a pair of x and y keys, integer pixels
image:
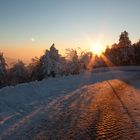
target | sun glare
[{"x": 97, "y": 48}]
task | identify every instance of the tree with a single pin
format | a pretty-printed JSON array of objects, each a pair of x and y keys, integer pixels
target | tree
[
  {"x": 136, "y": 47},
  {"x": 124, "y": 40},
  {"x": 35, "y": 70},
  {"x": 125, "y": 48},
  {"x": 73, "y": 61},
  {"x": 18, "y": 73},
  {"x": 51, "y": 62},
  {"x": 85, "y": 60},
  {"x": 3, "y": 70}
]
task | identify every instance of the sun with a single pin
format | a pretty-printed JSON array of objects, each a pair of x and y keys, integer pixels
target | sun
[{"x": 97, "y": 48}]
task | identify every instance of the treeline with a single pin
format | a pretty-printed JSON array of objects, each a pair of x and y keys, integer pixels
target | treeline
[
  {"x": 52, "y": 64},
  {"x": 124, "y": 53}
]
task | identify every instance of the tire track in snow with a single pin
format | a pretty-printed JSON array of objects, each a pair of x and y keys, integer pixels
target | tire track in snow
[
  {"x": 104, "y": 117},
  {"x": 91, "y": 112},
  {"x": 124, "y": 106},
  {"x": 114, "y": 121}
]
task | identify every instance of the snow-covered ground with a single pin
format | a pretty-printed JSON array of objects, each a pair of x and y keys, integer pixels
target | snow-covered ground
[{"x": 24, "y": 105}]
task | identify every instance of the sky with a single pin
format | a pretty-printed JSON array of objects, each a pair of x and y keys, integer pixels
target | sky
[{"x": 28, "y": 27}]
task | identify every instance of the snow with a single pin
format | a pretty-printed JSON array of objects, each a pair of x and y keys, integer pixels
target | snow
[{"x": 21, "y": 103}]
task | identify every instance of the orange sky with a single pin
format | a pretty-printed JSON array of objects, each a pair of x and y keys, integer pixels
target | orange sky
[{"x": 25, "y": 50}]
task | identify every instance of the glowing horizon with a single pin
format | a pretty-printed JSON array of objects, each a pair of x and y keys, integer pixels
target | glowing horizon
[{"x": 28, "y": 28}]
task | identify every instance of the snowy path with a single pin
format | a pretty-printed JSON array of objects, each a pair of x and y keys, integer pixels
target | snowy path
[
  {"x": 73, "y": 109},
  {"x": 94, "y": 112}
]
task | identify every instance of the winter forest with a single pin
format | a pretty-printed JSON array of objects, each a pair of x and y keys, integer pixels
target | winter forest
[{"x": 52, "y": 64}]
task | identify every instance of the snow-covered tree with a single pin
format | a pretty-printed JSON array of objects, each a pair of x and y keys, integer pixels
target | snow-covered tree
[
  {"x": 35, "y": 69},
  {"x": 3, "y": 71},
  {"x": 73, "y": 61},
  {"x": 62, "y": 67},
  {"x": 51, "y": 62},
  {"x": 18, "y": 72},
  {"x": 85, "y": 60}
]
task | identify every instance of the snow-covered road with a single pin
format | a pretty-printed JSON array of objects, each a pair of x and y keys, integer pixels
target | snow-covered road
[
  {"x": 76, "y": 107},
  {"x": 94, "y": 112}
]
